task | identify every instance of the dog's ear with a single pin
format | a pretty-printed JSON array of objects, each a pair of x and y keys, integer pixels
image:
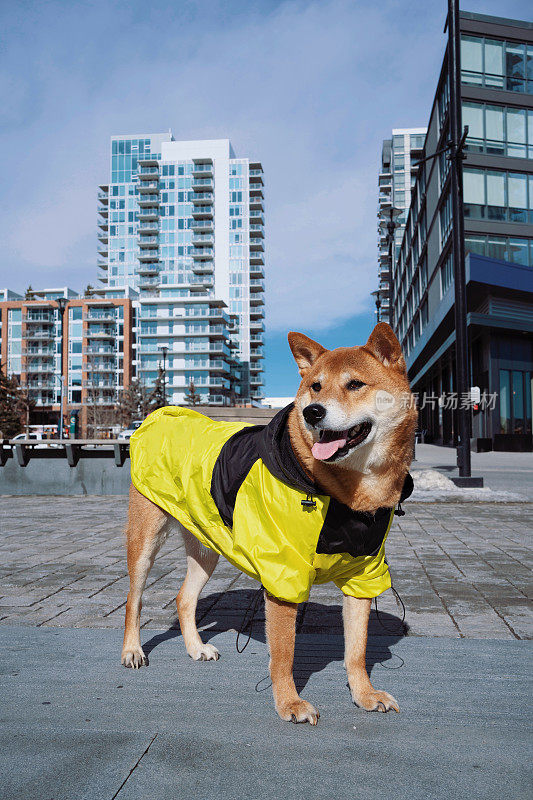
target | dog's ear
[
  {"x": 384, "y": 346},
  {"x": 304, "y": 350}
]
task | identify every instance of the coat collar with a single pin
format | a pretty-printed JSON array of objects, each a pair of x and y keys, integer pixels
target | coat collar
[{"x": 276, "y": 452}]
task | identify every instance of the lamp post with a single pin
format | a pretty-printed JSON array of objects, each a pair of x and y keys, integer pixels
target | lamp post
[
  {"x": 62, "y": 304},
  {"x": 377, "y": 298},
  {"x": 457, "y": 137},
  {"x": 164, "y": 350}
]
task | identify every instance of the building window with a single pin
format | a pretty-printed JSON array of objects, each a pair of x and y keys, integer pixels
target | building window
[
  {"x": 499, "y": 130},
  {"x": 446, "y": 274},
  {"x": 497, "y": 64},
  {"x": 505, "y": 248},
  {"x": 445, "y": 215},
  {"x": 498, "y": 195},
  {"x": 515, "y": 401}
]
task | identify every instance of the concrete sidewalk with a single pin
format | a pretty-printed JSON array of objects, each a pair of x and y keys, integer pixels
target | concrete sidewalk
[
  {"x": 78, "y": 726},
  {"x": 463, "y": 570},
  {"x": 511, "y": 472}
]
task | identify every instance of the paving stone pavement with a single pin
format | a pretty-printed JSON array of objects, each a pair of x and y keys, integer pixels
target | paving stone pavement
[{"x": 461, "y": 570}]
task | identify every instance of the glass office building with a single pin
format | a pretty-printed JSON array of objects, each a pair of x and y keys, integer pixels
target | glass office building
[
  {"x": 181, "y": 224},
  {"x": 396, "y": 177},
  {"x": 497, "y": 106}
]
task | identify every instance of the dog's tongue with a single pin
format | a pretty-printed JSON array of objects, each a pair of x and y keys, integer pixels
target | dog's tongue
[{"x": 329, "y": 443}]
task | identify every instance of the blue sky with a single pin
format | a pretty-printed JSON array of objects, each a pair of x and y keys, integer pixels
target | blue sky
[{"x": 308, "y": 88}]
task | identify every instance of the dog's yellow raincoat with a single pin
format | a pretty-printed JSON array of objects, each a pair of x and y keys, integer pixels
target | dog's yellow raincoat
[{"x": 239, "y": 490}]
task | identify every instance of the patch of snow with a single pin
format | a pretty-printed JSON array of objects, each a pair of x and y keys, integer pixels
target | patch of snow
[{"x": 431, "y": 486}]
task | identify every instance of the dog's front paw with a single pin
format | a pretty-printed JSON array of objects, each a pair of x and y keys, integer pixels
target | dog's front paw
[
  {"x": 298, "y": 711},
  {"x": 134, "y": 658},
  {"x": 204, "y": 652},
  {"x": 373, "y": 700}
]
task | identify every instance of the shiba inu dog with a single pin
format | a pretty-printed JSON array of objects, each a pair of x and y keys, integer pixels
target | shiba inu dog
[{"x": 306, "y": 499}]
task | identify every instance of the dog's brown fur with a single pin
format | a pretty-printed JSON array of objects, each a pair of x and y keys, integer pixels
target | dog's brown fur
[{"x": 369, "y": 478}]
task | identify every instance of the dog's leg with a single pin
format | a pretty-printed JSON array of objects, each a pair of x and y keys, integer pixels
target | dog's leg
[
  {"x": 147, "y": 530},
  {"x": 281, "y": 635},
  {"x": 356, "y": 612},
  {"x": 201, "y": 561}
]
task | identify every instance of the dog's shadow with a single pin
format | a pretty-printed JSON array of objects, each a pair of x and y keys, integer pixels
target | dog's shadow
[{"x": 231, "y": 611}]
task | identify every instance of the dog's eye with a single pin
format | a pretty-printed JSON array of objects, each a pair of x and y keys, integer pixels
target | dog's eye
[
  {"x": 316, "y": 387},
  {"x": 351, "y": 385}
]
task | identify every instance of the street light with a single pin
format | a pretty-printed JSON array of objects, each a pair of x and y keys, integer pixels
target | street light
[
  {"x": 62, "y": 304},
  {"x": 377, "y": 297},
  {"x": 164, "y": 350}
]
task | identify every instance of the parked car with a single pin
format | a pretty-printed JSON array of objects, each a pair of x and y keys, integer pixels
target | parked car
[
  {"x": 125, "y": 434},
  {"x": 42, "y": 440}
]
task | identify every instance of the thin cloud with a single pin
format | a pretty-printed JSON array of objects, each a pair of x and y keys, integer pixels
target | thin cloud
[{"x": 309, "y": 88}]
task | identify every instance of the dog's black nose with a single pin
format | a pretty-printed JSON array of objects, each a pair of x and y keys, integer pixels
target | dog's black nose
[{"x": 314, "y": 413}]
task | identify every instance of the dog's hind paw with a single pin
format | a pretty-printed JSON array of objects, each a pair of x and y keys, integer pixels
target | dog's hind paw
[
  {"x": 133, "y": 659},
  {"x": 204, "y": 652},
  {"x": 376, "y": 701}
]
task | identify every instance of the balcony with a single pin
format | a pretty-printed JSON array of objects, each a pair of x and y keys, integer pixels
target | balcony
[
  {"x": 98, "y": 383},
  {"x": 100, "y": 316},
  {"x": 148, "y": 201},
  {"x": 257, "y": 230},
  {"x": 257, "y": 325},
  {"x": 103, "y": 197},
  {"x": 148, "y": 241},
  {"x": 109, "y": 366},
  {"x": 256, "y": 258},
  {"x": 257, "y": 285},
  {"x": 202, "y": 211},
  {"x": 102, "y": 236},
  {"x": 151, "y": 187},
  {"x": 218, "y": 365},
  {"x": 256, "y": 312},
  {"x": 256, "y": 245},
  {"x": 145, "y": 173},
  {"x": 256, "y": 193},
  {"x": 47, "y": 369},
  {"x": 200, "y": 239},
  {"x": 200, "y": 284},
  {"x": 256, "y": 339},
  {"x": 45, "y": 319},
  {"x": 148, "y": 228},
  {"x": 99, "y": 350},
  {"x": 148, "y": 214},
  {"x": 216, "y": 332},
  {"x": 257, "y": 354},
  {"x": 202, "y": 170},
  {"x": 148, "y": 161},
  {"x": 146, "y": 282},
  {"x": 203, "y": 197},
  {"x": 257, "y": 217},
  {"x": 146, "y": 256},
  {"x": 40, "y": 384},
  {"x": 203, "y": 253},
  {"x": 257, "y": 300},
  {"x": 202, "y": 267},
  {"x": 256, "y": 271},
  {"x": 37, "y": 334},
  {"x": 149, "y": 268},
  {"x": 37, "y": 352},
  {"x": 255, "y": 173},
  {"x": 202, "y": 184},
  {"x": 105, "y": 332},
  {"x": 104, "y": 211},
  {"x": 205, "y": 224}
]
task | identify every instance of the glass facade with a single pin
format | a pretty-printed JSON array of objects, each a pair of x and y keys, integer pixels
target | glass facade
[
  {"x": 496, "y": 64},
  {"x": 498, "y": 130},
  {"x": 182, "y": 220},
  {"x": 498, "y": 195}
]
